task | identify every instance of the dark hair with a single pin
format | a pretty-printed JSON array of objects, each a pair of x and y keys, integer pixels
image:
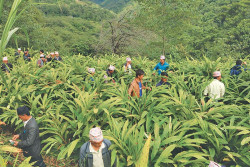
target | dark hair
[
  {"x": 139, "y": 72},
  {"x": 238, "y": 62},
  {"x": 164, "y": 74},
  {"x": 27, "y": 50},
  {"x": 42, "y": 51},
  {"x": 23, "y": 111}
]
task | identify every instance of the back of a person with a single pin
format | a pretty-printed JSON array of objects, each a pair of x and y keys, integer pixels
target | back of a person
[
  {"x": 236, "y": 70},
  {"x": 215, "y": 89}
]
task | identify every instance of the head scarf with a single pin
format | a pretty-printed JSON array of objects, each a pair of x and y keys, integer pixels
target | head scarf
[{"x": 216, "y": 74}]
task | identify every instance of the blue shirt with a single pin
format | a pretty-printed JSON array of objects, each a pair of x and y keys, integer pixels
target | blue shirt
[
  {"x": 163, "y": 83},
  {"x": 140, "y": 86},
  {"x": 161, "y": 67}
]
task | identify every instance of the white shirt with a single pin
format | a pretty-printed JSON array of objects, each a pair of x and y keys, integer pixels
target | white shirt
[
  {"x": 25, "y": 122},
  {"x": 215, "y": 89},
  {"x": 97, "y": 156}
]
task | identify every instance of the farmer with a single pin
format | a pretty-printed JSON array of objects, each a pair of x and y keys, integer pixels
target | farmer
[
  {"x": 51, "y": 57},
  {"x": 215, "y": 89},
  {"x": 95, "y": 152},
  {"x": 128, "y": 65},
  {"x": 238, "y": 68},
  {"x": 18, "y": 53},
  {"x": 30, "y": 142},
  {"x": 41, "y": 61},
  {"x": 164, "y": 80},
  {"x": 161, "y": 66},
  {"x": 26, "y": 55},
  {"x": 91, "y": 72},
  {"x": 6, "y": 67},
  {"x": 110, "y": 71},
  {"x": 136, "y": 86},
  {"x": 57, "y": 58}
]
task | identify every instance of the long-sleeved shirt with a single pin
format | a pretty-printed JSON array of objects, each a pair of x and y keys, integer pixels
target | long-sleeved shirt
[
  {"x": 215, "y": 89},
  {"x": 134, "y": 88},
  {"x": 161, "y": 67}
]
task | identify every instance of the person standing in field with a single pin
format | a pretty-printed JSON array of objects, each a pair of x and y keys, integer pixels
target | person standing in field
[
  {"x": 57, "y": 56},
  {"x": 128, "y": 66},
  {"x": 216, "y": 89},
  {"x": 18, "y": 53},
  {"x": 95, "y": 152},
  {"x": 161, "y": 66},
  {"x": 41, "y": 61},
  {"x": 164, "y": 80},
  {"x": 26, "y": 55},
  {"x": 30, "y": 141},
  {"x": 6, "y": 67},
  {"x": 238, "y": 68},
  {"x": 51, "y": 57},
  {"x": 136, "y": 86},
  {"x": 110, "y": 71},
  {"x": 91, "y": 72}
]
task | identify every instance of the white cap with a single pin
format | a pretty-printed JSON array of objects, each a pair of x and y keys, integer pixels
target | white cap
[
  {"x": 5, "y": 59},
  {"x": 52, "y": 53},
  {"x": 162, "y": 57},
  {"x": 19, "y": 49},
  {"x": 56, "y": 52},
  {"x": 112, "y": 68},
  {"x": 217, "y": 74},
  {"x": 91, "y": 70},
  {"x": 128, "y": 59}
]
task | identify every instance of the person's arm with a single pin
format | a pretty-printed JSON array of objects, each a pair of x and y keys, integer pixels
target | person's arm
[
  {"x": 130, "y": 89},
  {"x": 82, "y": 156},
  {"x": 156, "y": 67},
  {"x": 206, "y": 91},
  {"x": 30, "y": 139},
  {"x": 2, "y": 123},
  {"x": 222, "y": 90}
]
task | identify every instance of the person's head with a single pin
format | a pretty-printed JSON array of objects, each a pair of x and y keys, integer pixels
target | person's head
[
  {"x": 23, "y": 113},
  {"x": 52, "y": 54},
  {"x": 238, "y": 62},
  {"x": 26, "y": 51},
  {"x": 19, "y": 50},
  {"x": 5, "y": 60},
  {"x": 41, "y": 51},
  {"x": 91, "y": 71},
  {"x": 164, "y": 76},
  {"x": 217, "y": 75},
  {"x": 111, "y": 69},
  {"x": 129, "y": 60},
  {"x": 96, "y": 137},
  {"x": 57, "y": 54},
  {"x": 162, "y": 59},
  {"x": 139, "y": 74}
]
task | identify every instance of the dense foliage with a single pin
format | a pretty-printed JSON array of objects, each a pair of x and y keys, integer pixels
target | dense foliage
[
  {"x": 181, "y": 28},
  {"x": 185, "y": 129}
]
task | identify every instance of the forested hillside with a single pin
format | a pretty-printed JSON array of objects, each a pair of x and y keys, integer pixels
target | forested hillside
[{"x": 189, "y": 28}]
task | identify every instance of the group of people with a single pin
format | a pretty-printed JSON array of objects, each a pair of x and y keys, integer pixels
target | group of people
[{"x": 94, "y": 153}]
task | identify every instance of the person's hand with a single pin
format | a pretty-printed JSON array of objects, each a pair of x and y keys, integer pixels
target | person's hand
[
  {"x": 28, "y": 57},
  {"x": 149, "y": 88},
  {"x": 2, "y": 123},
  {"x": 244, "y": 63},
  {"x": 153, "y": 73},
  {"x": 15, "y": 137},
  {"x": 16, "y": 143}
]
